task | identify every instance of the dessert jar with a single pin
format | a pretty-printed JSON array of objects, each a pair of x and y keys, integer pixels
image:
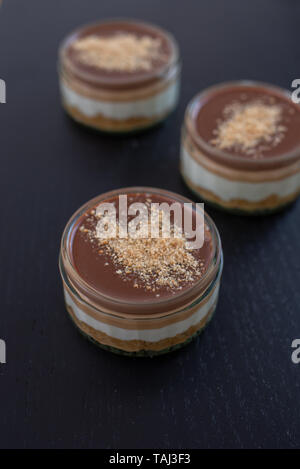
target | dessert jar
[
  {"x": 119, "y": 75},
  {"x": 129, "y": 320},
  {"x": 240, "y": 147}
]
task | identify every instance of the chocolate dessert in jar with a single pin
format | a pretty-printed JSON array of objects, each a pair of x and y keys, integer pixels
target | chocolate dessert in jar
[
  {"x": 143, "y": 296},
  {"x": 119, "y": 75},
  {"x": 241, "y": 147}
]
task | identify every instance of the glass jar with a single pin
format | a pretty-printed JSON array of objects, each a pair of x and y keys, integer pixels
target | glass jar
[
  {"x": 116, "y": 101},
  {"x": 246, "y": 185},
  {"x": 143, "y": 328}
]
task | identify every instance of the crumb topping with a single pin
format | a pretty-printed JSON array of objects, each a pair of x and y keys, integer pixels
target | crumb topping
[
  {"x": 121, "y": 52},
  {"x": 251, "y": 127},
  {"x": 154, "y": 263}
]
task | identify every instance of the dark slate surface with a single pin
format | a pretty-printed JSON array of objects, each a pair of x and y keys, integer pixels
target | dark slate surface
[{"x": 235, "y": 386}]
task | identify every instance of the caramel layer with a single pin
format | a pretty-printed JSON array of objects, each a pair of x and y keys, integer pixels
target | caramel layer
[
  {"x": 271, "y": 202},
  {"x": 100, "y": 122},
  {"x": 238, "y": 175},
  {"x": 139, "y": 345}
]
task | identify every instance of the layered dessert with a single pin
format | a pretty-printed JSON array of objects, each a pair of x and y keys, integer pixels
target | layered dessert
[
  {"x": 119, "y": 75},
  {"x": 139, "y": 294},
  {"x": 241, "y": 147}
]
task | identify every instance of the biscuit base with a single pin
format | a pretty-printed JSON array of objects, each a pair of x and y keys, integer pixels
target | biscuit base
[
  {"x": 271, "y": 204},
  {"x": 140, "y": 347},
  {"x": 105, "y": 124}
]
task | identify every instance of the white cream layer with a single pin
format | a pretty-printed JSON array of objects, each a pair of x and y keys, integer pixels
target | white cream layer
[
  {"x": 154, "y": 106},
  {"x": 228, "y": 190},
  {"x": 148, "y": 335}
]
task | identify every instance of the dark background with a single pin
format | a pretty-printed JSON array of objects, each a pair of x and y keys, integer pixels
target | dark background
[{"x": 236, "y": 385}]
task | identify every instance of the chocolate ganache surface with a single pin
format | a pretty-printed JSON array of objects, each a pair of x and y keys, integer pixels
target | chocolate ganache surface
[
  {"x": 152, "y": 48},
  {"x": 116, "y": 270},
  {"x": 249, "y": 121}
]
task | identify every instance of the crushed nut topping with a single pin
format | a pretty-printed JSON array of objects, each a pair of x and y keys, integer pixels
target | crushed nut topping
[
  {"x": 154, "y": 263},
  {"x": 250, "y": 128},
  {"x": 121, "y": 52}
]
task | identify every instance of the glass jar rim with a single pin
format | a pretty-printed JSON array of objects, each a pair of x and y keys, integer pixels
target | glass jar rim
[
  {"x": 113, "y": 305},
  {"x": 119, "y": 82},
  {"x": 225, "y": 157}
]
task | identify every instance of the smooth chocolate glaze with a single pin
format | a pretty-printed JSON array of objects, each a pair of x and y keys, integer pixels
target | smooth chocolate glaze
[
  {"x": 98, "y": 270},
  {"x": 210, "y": 111},
  {"x": 115, "y": 78}
]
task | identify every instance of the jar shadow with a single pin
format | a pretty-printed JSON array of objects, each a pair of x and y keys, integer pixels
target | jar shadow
[{"x": 131, "y": 373}]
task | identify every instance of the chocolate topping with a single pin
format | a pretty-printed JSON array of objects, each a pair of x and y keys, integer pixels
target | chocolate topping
[
  {"x": 107, "y": 273},
  {"x": 248, "y": 121},
  {"x": 164, "y": 55}
]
